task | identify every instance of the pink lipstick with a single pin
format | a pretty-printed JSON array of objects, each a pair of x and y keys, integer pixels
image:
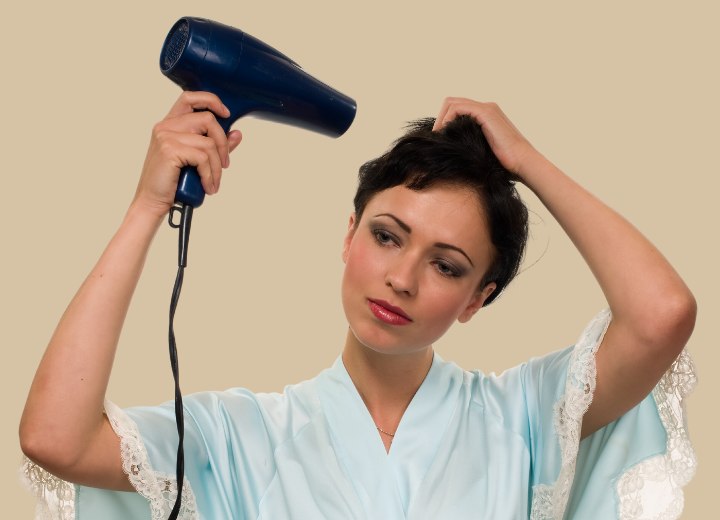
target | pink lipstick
[{"x": 388, "y": 313}]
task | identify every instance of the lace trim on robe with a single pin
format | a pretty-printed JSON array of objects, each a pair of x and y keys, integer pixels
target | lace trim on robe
[
  {"x": 56, "y": 497},
  {"x": 650, "y": 490},
  {"x": 662, "y": 477},
  {"x": 160, "y": 489}
]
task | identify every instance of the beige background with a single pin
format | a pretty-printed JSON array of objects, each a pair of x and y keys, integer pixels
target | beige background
[{"x": 622, "y": 95}]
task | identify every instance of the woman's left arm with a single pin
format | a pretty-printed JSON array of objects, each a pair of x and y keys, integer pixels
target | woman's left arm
[{"x": 653, "y": 311}]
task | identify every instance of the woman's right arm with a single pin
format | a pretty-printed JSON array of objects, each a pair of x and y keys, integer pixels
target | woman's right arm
[{"x": 63, "y": 427}]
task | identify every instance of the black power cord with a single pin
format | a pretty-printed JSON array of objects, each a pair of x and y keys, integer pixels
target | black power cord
[{"x": 183, "y": 238}]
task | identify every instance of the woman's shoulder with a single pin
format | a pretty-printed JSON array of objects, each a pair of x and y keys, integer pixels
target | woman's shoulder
[
  {"x": 547, "y": 373},
  {"x": 517, "y": 378},
  {"x": 282, "y": 413}
]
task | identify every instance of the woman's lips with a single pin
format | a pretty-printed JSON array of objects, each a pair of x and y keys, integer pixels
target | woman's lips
[{"x": 388, "y": 313}]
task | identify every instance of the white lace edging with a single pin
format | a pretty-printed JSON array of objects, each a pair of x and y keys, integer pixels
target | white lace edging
[
  {"x": 664, "y": 474},
  {"x": 158, "y": 488},
  {"x": 56, "y": 497},
  {"x": 549, "y": 501},
  {"x": 662, "y": 477}
]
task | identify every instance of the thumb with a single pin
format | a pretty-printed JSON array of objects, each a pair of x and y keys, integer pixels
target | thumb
[{"x": 234, "y": 138}]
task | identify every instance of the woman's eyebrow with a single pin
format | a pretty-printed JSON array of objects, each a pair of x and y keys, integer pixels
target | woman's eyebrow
[
  {"x": 408, "y": 230},
  {"x": 454, "y": 248},
  {"x": 400, "y": 223}
]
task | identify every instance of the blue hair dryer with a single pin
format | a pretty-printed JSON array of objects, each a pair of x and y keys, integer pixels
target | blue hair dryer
[{"x": 249, "y": 77}]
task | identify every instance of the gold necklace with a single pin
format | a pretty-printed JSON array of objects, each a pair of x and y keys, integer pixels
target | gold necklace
[{"x": 383, "y": 431}]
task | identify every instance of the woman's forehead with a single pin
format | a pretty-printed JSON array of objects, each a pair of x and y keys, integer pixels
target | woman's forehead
[{"x": 441, "y": 201}]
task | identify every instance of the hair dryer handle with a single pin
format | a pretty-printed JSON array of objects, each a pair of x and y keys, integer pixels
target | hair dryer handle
[{"x": 189, "y": 189}]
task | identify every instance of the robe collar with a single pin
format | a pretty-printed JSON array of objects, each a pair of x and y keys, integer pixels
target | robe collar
[{"x": 386, "y": 482}]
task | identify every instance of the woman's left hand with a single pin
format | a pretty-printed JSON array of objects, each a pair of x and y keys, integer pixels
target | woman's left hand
[{"x": 511, "y": 148}]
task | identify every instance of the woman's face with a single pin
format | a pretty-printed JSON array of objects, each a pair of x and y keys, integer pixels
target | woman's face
[{"x": 413, "y": 265}]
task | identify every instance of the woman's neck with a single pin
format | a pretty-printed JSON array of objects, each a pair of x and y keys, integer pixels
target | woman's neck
[{"x": 386, "y": 382}]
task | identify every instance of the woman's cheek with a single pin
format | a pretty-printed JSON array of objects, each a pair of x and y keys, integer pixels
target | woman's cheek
[
  {"x": 357, "y": 271},
  {"x": 364, "y": 260}
]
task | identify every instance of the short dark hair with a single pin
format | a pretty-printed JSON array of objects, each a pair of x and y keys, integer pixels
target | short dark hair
[{"x": 458, "y": 155}]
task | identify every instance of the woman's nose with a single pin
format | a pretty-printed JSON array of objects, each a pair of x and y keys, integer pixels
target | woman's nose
[{"x": 402, "y": 277}]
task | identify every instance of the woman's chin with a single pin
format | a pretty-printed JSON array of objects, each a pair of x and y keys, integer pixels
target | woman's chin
[{"x": 382, "y": 343}]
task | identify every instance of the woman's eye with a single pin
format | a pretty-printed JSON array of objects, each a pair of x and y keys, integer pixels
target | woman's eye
[
  {"x": 446, "y": 269},
  {"x": 383, "y": 237}
]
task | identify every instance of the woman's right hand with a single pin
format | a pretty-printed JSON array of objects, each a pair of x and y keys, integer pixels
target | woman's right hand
[{"x": 188, "y": 135}]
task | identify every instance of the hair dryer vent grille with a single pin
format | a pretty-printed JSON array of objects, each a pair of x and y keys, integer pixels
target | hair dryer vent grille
[{"x": 175, "y": 45}]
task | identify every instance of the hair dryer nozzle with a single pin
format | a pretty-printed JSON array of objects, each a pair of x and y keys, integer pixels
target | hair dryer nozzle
[
  {"x": 250, "y": 77},
  {"x": 174, "y": 45}
]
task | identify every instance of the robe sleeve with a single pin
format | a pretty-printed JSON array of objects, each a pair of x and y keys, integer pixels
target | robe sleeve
[
  {"x": 156, "y": 489},
  {"x": 223, "y": 478},
  {"x": 633, "y": 468}
]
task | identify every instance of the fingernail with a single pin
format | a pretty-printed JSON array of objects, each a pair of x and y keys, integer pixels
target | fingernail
[{"x": 227, "y": 110}]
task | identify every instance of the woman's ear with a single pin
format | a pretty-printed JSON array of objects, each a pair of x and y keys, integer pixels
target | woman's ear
[
  {"x": 477, "y": 302},
  {"x": 348, "y": 237}
]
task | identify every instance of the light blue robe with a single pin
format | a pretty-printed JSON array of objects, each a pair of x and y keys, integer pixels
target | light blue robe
[{"x": 469, "y": 446}]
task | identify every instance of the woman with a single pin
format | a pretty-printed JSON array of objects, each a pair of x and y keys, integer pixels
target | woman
[{"x": 430, "y": 242}]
